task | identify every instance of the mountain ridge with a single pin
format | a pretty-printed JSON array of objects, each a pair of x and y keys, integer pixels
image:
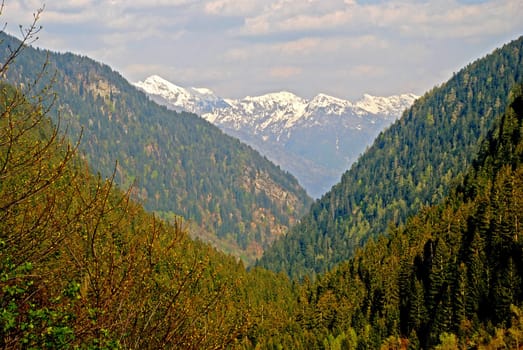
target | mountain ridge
[
  {"x": 188, "y": 99},
  {"x": 315, "y": 139},
  {"x": 177, "y": 164},
  {"x": 84, "y": 266},
  {"x": 410, "y": 165}
]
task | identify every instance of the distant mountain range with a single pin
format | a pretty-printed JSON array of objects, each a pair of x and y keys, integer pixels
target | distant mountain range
[{"x": 316, "y": 140}]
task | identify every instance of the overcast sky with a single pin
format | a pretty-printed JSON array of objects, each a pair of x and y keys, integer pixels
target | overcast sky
[{"x": 250, "y": 47}]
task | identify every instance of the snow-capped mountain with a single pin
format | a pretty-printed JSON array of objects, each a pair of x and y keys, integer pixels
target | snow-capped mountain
[
  {"x": 196, "y": 100},
  {"x": 316, "y": 140}
]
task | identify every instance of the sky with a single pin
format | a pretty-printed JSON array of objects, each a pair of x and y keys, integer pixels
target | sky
[{"x": 239, "y": 48}]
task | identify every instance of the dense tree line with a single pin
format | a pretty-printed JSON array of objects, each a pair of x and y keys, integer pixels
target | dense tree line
[
  {"x": 450, "y": 277},
  {"x": 452, "y": 274},
  {"x": 412, "y": 164}
]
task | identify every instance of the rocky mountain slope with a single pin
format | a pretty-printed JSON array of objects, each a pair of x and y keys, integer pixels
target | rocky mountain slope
[
  {"x": 176, "y": 163},
  {"x": 316, "y": 140}
]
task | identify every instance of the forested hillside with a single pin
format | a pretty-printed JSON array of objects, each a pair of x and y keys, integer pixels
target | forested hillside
[
  {"x": 179, "y": 163},
  {"x": 410, "y": 165},
  {"x": 83, "y": 266},
  {"x": 450, "y": 278}
]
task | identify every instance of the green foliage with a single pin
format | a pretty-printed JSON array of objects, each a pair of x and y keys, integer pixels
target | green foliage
[
  {"x": 451, "y": 277},
  {"x": 83, "y": 266},
  {"x": 178, "y": 163},
  {"x": 412, "y": 164}
]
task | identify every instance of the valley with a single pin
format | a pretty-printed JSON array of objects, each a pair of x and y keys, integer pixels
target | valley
[{"x": 173, "y": 219}]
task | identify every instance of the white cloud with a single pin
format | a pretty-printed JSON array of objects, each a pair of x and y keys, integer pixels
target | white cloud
[
  {"x": 285, "y": 16},
  {"x": 343, "y": 47},
  {"x": 233, "y": 7},
  {"x": 284, "y": 72},
  {"x": 408, "y": 18}
]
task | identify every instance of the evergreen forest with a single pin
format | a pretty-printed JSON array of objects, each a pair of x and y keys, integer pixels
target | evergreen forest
[
  {"x": 412, "y": 164},
  {"x": 85, "y": 264}
]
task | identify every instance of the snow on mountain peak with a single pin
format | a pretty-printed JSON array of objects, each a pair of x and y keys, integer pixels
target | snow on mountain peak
[
  {"x": 315, "y": 139},
  {"x": 195, "y": 100},
  {"x": 391, "y": 105},
  {"x": 157, "y": 85},
  {"x": 324, "y": 100},
  {"x": 281, "y": 98},
  {"x": 277, "y": 111}
]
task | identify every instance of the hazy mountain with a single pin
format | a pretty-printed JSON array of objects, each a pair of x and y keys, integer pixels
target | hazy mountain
[{"x": 316, "y": 140}]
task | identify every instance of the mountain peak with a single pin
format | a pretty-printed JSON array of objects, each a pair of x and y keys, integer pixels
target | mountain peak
[
  {"x": 391, "y": 105},
  {"x": 322, "y": 99},
  {"x": 282, "y": 124},
  {"x": 195, "y": 100},
  {"x": 279, "y": 97},
  {"x": 156, "y": 85},
  {"x": 157, "y": 78}
]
